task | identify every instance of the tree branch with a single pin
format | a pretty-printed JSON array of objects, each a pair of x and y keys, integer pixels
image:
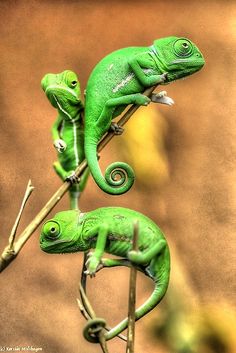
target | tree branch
[{"x": 10, "y": 253}]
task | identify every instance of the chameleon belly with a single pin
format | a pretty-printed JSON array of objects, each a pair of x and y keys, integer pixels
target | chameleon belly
[{"x": 73, "y": 135}]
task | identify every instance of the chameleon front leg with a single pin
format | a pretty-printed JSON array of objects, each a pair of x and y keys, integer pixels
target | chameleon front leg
[
  {"x": 138, "y": 65},
  {"x": 96, "y": 256},
  {"x": 58, "y": 143},
  {"x": 108, "y": 110}
]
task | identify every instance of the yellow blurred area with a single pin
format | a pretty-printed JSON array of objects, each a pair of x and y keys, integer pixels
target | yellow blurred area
[
  {"x": 185, "y": 324},
  {"x": 143, "y": 146}
]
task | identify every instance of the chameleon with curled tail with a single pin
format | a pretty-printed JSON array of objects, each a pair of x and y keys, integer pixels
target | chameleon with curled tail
[
  {"x": 110, "y": 229},
  {"x": 63, "y": 92},
  {"x": 118, "y": 80}
]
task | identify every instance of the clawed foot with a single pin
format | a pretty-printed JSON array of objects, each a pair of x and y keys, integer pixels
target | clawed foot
[
  {"x": 93, "y": 264},
  {"x": 164, "y": 77},
  {"x": 162, "y": 98},
  {"x": 60, "y": 145},
  {"x": 118, "y": 130},
  {"x": 73, "y": 178}
]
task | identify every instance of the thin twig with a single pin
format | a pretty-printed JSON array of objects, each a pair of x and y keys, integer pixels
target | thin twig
[
  {"x": 7, "y": 256},
  {"x": 132, "y": 298},
  {"x": 85, "y": 311},
  {"x": 101, "y": 332},
  {"x": 83, "y": 279},
  {"x": 28, "y": 192}
]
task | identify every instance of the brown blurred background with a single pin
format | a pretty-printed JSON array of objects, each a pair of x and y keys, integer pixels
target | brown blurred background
[{"x": 187, "y": 185}]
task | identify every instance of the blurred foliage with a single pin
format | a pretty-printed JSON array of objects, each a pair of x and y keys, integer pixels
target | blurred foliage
[
  {"x": 183, "y": 324},
  {"x": 143, "y": 146},
  {"x": 209, "y": 329}
]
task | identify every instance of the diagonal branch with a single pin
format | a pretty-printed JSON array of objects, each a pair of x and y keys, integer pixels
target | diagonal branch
[{"x": 7, "y": 256}]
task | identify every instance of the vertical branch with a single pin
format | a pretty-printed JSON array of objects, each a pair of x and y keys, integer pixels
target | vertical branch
[
  {"x": 95, "y": 326},
  {"x": 132, "y": 297}
]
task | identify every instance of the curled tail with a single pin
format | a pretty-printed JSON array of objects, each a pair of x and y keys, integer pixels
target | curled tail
[
  {"x": 151, "y": 303},
  {"x": 119, "y": 176}
]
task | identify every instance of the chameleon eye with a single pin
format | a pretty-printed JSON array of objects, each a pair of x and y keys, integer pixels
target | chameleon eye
[
  {"x": 183, "y": 47},
  {"x": 73, "y": 84},
  {"x": 71, "y": 79},
  {"x": 51, "y": 230}
]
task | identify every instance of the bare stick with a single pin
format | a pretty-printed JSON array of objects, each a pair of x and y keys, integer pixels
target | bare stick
[
  {"x": 86, "y": 311},
  {"x": 101, "y": 337},
  {"x": 7, "y": 256},
  {"x": 28, "y": 192},
  {"x": 132, "y": 298}
]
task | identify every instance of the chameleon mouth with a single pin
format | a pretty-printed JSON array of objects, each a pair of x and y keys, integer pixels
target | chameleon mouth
[
  {"x": 58, "y": 246},
  {"x": 193, "y": 66},
  {"x": 62, "y": 93}
]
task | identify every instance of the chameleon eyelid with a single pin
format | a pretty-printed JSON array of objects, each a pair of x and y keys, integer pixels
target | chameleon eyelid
[{"x": 55, "y": 229}]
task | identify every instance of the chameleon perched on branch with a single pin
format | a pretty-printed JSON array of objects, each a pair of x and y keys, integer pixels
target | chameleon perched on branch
[
  {"x": 63, "y": 92},
  {"x": 110, "y": 229},
  {"x": 118, "y": 80}
]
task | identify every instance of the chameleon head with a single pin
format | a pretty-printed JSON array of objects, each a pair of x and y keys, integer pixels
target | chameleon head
[
  {"x": 63, "y": 92},
  {"x": 179, "y": 57},
  {"x": 62, "y": 233}
]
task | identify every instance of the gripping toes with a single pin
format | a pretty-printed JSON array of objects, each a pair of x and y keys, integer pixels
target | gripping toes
[
  {"x": 164, "y": 77},
  {"x": 162, "y": 98},
  {"x": 73, "y": 178},
  {"x": 118, "y": 130},
  {"x": 60, "y": 145},
  {"x": 92, "y": 265}
]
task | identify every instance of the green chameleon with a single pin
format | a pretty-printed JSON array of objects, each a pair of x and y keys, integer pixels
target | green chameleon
[
  {"x": 110, "y": 229},
  {"x": 63, "y": 92},
  {"x": 120, "y": 79}
]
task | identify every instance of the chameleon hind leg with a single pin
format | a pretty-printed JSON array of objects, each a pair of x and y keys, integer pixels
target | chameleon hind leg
[
  {"x": 63, "y": 174},
  {"x": 145, "y": 257},
  {"x": 73, "y": 192},
  {"x": 76, "y": 190},
  {"x": 83, "y": 180},
  {"x": 160, "y": 288}
]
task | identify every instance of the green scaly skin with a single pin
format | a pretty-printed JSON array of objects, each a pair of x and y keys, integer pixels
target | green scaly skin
[
  {"x": 120, "y": 79},
  {"x": 110, "y": 229},
  {"x": 63, "y": 92}
]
